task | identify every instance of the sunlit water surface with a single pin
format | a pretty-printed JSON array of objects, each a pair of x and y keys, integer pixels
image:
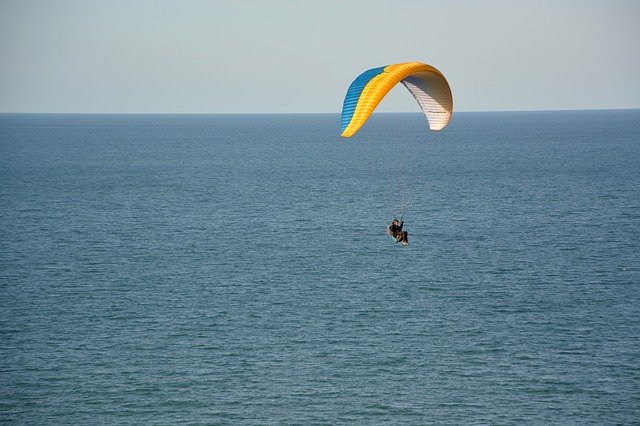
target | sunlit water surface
[{"x": 235, "y": 269}]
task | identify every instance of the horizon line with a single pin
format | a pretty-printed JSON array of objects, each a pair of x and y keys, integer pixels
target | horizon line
[{"x": 308, "y": 113}]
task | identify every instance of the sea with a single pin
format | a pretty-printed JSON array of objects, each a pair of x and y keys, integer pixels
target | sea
[{"x": 235, "y": 269}]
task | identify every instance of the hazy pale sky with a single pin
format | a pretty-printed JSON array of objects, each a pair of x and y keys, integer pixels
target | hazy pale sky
[{"x": 233, "y": 56}]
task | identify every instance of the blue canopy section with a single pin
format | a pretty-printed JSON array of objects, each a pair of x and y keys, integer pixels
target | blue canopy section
[{"x": 353, "y": 94}]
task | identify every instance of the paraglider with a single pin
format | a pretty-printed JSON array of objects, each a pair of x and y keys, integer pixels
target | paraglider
[
  {"x": 395, "y": 231},
  {"x": 428, "y": 86}
]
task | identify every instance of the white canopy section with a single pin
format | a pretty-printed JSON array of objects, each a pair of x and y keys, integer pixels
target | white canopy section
[{"x": 434, "y": 96}]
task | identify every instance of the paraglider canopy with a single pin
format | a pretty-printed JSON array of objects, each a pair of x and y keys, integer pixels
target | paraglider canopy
[{"x": 427, "y": 85}]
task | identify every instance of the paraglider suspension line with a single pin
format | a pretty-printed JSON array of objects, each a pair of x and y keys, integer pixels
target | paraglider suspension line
[{"x": 395, "y": 195}]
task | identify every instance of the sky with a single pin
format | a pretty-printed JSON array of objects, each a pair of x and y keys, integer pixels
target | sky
[{"x": 277, "y": 56}]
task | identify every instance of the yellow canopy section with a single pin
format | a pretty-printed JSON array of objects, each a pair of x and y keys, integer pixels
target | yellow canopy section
[{"x": 427, "y": 85}]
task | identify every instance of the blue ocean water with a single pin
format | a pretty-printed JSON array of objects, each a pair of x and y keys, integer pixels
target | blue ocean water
[{"x": 235, "y": 269}]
